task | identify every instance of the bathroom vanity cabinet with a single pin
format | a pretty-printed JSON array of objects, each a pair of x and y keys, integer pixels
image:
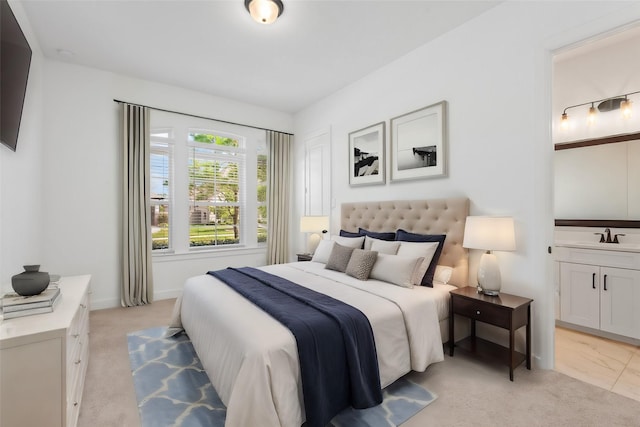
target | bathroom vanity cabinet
[{"x": 600, "y": 288}]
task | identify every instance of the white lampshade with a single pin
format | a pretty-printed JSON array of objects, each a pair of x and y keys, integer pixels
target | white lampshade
[
  {"x": 490, "y": 234},
  {"x": 314, "y": 225}
]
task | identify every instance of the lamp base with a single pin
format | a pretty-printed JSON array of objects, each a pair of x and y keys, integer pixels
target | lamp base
[
  {"x": 489, "y": 274},
  {"x": 312, "y": 242},
  {"x": 491, "y": 293}
]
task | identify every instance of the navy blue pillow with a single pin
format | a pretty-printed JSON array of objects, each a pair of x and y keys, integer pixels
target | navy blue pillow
[
  {"x": 405, "y": 236},
  {"x": 376, "y": 235},
  {"x": 344, "y": 233}
]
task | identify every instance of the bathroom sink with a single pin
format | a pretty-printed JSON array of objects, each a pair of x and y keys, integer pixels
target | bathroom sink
[{"x": 624, "y": 247}]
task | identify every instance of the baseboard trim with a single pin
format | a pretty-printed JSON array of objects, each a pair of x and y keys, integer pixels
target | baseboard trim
[{"x": 100, "y": 304}]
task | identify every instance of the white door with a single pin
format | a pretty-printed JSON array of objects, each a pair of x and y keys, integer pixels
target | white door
[
  {"x": 580, "y": 294},
  {"x": 619, "y": 301},
  {"x": 318, "y": 174}
]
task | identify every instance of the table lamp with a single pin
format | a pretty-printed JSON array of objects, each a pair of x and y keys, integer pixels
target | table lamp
[
  {"x": 489, "y": 234},
  {"x": 314, "y": 225}
]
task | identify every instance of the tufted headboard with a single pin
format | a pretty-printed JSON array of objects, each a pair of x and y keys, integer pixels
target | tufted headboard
[{"x": 436, "y": 216}]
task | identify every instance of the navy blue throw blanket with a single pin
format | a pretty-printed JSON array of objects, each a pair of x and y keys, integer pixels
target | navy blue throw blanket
[{"x": 338, "y": 360}]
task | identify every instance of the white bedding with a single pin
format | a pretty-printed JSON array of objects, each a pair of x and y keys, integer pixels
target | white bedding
[{"x": 252, "y": 359}]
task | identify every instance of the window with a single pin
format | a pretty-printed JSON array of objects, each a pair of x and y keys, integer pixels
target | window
[
  {"x": 208, "y": 184},
  {"x": 160, "y": 170},
  {"x": 262, "y": 198},
  {"x": 216, "y": 165}
]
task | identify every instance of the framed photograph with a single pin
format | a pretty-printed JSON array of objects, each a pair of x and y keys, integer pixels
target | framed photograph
[
  {"x": 366, "y": 156},
  {"x": 419, "y": 143}
]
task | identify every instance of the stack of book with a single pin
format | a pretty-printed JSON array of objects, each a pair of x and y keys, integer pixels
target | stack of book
[{"x": 14, "y": 305}]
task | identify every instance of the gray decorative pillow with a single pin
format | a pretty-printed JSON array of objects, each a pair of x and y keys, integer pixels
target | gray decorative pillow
[
  {"x": 361, "y": 263},
  {"x": 339, "y": 258}
]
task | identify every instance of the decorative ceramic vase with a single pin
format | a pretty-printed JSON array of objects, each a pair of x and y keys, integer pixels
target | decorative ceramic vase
[{"x": 31, "y": 281}]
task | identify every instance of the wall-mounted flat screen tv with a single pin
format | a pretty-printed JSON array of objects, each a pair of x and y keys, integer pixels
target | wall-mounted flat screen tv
[{"x": 15, "y": 60}]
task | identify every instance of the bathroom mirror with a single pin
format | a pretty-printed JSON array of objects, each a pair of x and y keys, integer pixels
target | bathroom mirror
[{"x": 597, "y": 182}]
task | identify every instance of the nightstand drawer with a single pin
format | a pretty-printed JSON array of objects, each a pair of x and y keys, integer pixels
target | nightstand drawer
[{"x": 488, "y": 313}]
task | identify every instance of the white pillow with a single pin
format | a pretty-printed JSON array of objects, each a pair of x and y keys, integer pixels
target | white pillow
[
  {"x": 368, "y": 241},
  {"x": 382, "y": 246},
  {"x": 442, "y": 274},
  {"x": 323, "y": 251},
  {"x": 394, "y": 269},
  {"x": 350, "y": 242},
  {"x": 425, "y": 250}
]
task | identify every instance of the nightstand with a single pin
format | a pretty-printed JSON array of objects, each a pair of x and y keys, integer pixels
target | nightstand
[
  {"x": 506, "y": 311},
  {"x": 304, "y": 257}
]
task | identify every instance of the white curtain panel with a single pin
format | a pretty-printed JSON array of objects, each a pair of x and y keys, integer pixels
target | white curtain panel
[
  {"x": 278, "y": 200},
  {"x": 137, "y": 279}
]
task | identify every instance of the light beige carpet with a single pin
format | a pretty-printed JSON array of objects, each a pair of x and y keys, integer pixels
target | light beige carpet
[{"x": 470, "y": 392}]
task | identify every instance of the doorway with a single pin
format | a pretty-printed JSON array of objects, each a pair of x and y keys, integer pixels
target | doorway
[{"x": 593, "y": 71}]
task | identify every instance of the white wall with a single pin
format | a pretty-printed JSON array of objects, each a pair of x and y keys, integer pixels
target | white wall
[
  {"x": 82, "y": 170},
  {"x": 21, "y": 195},
  {"x": 495, "y": 74}
]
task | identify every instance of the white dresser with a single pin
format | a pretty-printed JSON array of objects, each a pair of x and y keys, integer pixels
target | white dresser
[{"x": 43, "y": 361}]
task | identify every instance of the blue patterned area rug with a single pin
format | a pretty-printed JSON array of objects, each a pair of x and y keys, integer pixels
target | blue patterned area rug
[{"x": 173, "y": 389}]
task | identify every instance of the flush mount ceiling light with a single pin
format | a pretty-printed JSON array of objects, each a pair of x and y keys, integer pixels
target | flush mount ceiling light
[
  {"x": 618, "y": 102},
  {"x": 264, "y": 11}
]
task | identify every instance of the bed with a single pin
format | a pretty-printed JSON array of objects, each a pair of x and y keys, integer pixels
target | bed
[{"x": 252, "y": 359}]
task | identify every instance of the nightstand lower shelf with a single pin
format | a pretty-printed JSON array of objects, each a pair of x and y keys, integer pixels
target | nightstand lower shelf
[{"x": 490, "y": 351}]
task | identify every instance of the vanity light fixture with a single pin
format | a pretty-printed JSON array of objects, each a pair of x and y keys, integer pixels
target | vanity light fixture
[
  {"x": 592, "y": 114},
  {"x": 564, "y": 121},
  {"x": 625, "y": 107},
  {"x": 618, "y": 102},
  {"x": 264, "y": 11}
]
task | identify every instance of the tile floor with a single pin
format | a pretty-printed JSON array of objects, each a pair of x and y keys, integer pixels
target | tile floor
[{"x": 608, "y": 364}]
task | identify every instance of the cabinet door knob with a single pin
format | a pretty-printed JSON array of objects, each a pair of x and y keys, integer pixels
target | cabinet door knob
[
  {"x": 477, "y": 311},
  {"x": 77, "y": 362}
]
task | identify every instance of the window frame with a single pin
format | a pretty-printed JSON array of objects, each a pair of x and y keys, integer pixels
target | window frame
[
  {"x": 167, "y": 149},
  {"x": 252, "y": 140},
  {"x": 260, "y": 204}
]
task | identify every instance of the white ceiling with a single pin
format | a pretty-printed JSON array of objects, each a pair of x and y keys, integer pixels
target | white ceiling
[{"x": 314, "y": 49}]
